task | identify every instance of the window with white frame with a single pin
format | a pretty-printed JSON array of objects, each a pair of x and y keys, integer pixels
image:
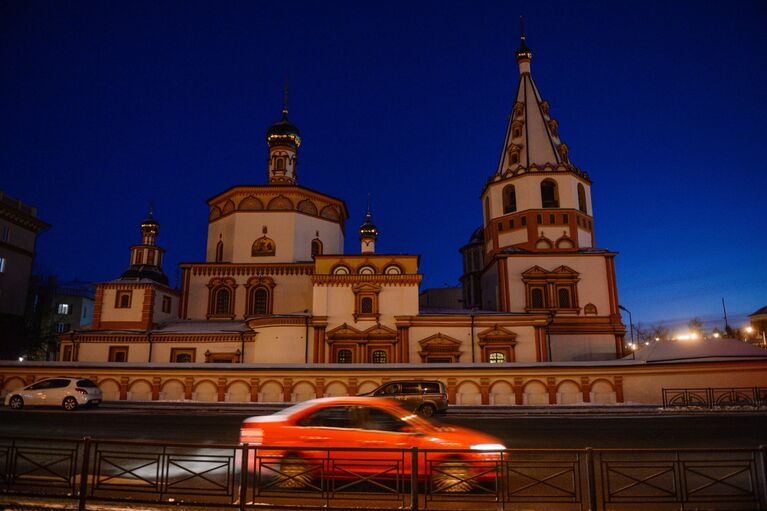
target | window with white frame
[
  {"x": 63, "y": 308},
  {"x": 2, "y": 264}
]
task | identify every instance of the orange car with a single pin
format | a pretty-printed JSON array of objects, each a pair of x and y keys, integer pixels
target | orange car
[{"x": 304, "y": 433}]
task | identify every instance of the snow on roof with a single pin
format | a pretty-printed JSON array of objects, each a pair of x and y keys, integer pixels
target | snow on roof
[{"x": 698, "y": 349}]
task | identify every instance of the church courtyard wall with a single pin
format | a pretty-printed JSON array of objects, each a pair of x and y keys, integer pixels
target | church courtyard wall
[{"x": 468, "y": 384}]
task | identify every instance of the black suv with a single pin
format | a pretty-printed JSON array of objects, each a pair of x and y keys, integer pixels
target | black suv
[{"x": 426, "y": 397}]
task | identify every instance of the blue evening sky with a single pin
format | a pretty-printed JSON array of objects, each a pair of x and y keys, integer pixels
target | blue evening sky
[{"x": 108, "y": 105}]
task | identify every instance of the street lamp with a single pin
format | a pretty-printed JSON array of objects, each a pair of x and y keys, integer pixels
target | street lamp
[{"x": 631, "y": 322}]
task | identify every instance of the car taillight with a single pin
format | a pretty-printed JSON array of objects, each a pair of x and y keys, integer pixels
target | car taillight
[
  {"x": 252, "y": 436},
  {"x": 82, "y": 391}
]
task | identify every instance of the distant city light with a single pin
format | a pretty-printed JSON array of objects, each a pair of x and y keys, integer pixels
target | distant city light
[
  {"x": 749, "y": 330},
  {"x": 21, "y": 359},
  {"x": 716, "y": 335}
]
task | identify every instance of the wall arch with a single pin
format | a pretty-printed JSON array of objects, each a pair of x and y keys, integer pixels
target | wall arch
[
  {"x": 336, "y": 388},
  {"x": 535, "y": 393},
  {"x": 569, "y": 392},
  {"x": 110, "y": 389},
  {"x": 140, "y": 390},
  {"x": 602, "y": 392},
  {"x": 172, "y": 390},
  {"x": 12, "y": 384},
  {"x": 468, "y": 393},
  {"x": 238, "y": 391},
  {"x": 367, "y": 386},
  {"x": 205, "y": 390},
  {"x": 303, "y": 391},
  {"x": 501, "y": 393},
  {"x": 271, "y": 392}
]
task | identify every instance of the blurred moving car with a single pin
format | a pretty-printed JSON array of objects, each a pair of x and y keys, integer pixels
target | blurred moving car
[
  {"x": 67, "y": 392},
  {"x": 288, "y": 437},
  {"x": 425, "y": 397}
]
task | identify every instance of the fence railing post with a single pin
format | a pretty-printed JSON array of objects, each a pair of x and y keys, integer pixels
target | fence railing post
[
  {"x": 244, "y": 476},
  {"x": 84, "y": 473},
  {"x": 414, "y": 479},
  {"x": 762, "y": 474},
  {"x": 590, "y": 479}
]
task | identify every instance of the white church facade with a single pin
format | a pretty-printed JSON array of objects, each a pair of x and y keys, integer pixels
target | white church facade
[{"x": 277, "y": 288}]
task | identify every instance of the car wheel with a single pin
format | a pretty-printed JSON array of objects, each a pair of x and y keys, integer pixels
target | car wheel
[
  {"x": 427, "y": 410},
  {"x": 16, "y": 403},
  {"x": 294, "y": 472},
  {"x": 69, "y": 404},
  {"x": 453, "y": 476}
]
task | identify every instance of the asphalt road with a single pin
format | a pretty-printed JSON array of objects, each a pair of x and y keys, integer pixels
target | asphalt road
[{"x": 695, "y": 430}]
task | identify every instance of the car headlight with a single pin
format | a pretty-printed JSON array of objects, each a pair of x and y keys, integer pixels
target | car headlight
[{"x": 488, "y": 447}]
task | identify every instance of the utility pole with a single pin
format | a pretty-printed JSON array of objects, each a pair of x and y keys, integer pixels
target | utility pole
[{"x": 726, "y": 325}]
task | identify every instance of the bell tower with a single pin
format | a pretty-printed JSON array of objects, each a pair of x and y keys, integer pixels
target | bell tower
[
  {"x": 146, "y": 258},
  {"x": 283, "y": 139},
  {"x": 537, "y": 200}
]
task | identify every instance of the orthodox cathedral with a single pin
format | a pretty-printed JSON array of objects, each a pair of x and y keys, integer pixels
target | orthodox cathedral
[{"x": 276, "y": 288}]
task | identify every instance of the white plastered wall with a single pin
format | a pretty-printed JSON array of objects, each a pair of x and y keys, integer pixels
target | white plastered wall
[
  {"x": 99, "y": 351},
  {"x": 280, "y": 345},
  {"x": 158, "y": 316},
  {"x": 133, "y": 313},
  {"x": 291, "y": 231}
]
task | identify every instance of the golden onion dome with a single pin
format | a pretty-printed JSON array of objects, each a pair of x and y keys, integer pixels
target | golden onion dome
[{"x": 283, "y": 132}]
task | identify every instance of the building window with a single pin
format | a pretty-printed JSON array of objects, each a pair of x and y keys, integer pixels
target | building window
[
  {"x": 563, "y": 295},
  {"x": 536, "y": 298},
  {"x": 316, "y": 247},
  {"x": 500, "y": 226},
  {"x": 511, "y": 223},
  {"x": 222, "y": 301},
  {"x": 379, "y": 357},
  {"x": 523, "y": 220},
  {"x": 220, "y": 251},
  {"x": 509, "y": 199},
  {"x": 582, "y": 198},
  {"x": 118, "y": 353},
  {"x": 259, "y": 301},
  {"x": 182, "y": 355},
  {"x": 565, "y": 219},
  {"x": 63, "y": 308},
  {"x": 5, "y": 233},
  {"x": 2, "y": 264},
  {"x": 344, "y": 357},
  {"x": 166, "y": 304},
  {"x": 139, "y": 257},
  {"x": 549, "y": 194},
  {"x": 552, "y": 220},
  {"x": 366, "y": 301},
  {"x": 551, "y": 289},
  {"x": 281, "y": 163},
  {"x": 497, "y": 357},
  {"x": 123, "y": 299},
  {"x": 539, "y": 218},
  {"x": 60, "y": 328}
]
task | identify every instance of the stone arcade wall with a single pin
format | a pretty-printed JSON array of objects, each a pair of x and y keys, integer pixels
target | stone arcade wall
[{"x": 467, "y": 384}]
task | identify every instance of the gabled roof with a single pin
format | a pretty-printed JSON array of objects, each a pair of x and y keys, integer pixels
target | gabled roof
[{"x": 759, "y": 312}]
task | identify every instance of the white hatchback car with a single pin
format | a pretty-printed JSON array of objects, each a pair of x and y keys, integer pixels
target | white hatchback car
[{"x": 67, "y": 392}]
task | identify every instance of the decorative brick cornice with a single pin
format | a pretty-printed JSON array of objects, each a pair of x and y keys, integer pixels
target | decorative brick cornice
[
  {"x": 236, "y": 269},
  {"x": 277, "y": 321},
  {"x": 351, "y": 280}
]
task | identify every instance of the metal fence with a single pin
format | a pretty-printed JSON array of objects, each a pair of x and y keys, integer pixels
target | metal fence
[
  {"x": 241, "y": 476},
  {"x": 712, "y": 398}
]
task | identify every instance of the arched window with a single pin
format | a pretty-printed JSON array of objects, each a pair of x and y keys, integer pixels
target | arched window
[
  {"x": 497, "y": 357},
  {"x": 514, "y": 157},
  {"x": 379, "y": 357},
  {"x": 563, "y": 294},
  {"x": 220, "y": 251},
  {"x": 582, "y": 198},
  {"x": 316, "y": 247},
  {"x": 183, "y": 358},
  {"x": 259, "y": 301},
  {"x": 221, "y": 301},
  {"x": 139, "y": 257},
  {"x": 509, "y": 199},
  {"x": 549, "y": 194},
  {"x": 536, "y": 298},
  {"x": 344, "y": 357},
  {"x": 366, "y": 305},
  {"x": 280, "y": 163}
]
